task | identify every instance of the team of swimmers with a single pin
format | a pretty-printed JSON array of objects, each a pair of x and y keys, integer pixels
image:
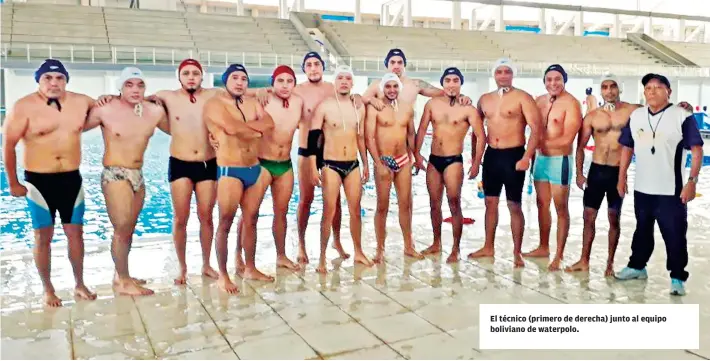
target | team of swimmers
[{"x": 229, "y": 145}]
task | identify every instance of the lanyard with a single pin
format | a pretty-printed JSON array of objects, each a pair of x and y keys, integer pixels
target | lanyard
[{"x": 648, "y": 115}]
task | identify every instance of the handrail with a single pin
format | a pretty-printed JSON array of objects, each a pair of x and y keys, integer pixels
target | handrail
[{"x": 95, "y": 54}]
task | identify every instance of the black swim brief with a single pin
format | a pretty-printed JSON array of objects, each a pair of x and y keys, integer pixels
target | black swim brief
[
  {"x": 343, "y": 168},
  {"x": 441, "y": 163},
  {"x": 195, "y": 171},
  {"x": 601, "y": 181},
  {"x": 499, "y": 170}
]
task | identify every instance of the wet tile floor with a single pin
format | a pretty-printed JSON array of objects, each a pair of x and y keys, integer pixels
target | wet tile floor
[{"x": 400, "y": 310}]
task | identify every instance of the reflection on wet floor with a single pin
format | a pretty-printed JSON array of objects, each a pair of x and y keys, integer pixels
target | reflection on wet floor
[{"x": 400, "y": 310}]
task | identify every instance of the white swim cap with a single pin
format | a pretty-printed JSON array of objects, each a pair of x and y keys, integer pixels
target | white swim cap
[
  {"x": 129, "y": 73},
  {"x": 388, "y": 78},
  {"x": 609, "y": 76},
  {"x": 343, "y": 69},
  {"x": 504, "y": 62}
]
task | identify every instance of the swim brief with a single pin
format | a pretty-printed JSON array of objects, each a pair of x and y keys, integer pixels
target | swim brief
[
  {"x": 602, "y": 180},
  {"x": 499, "y": 170},
  {"x": 277, "y": 168},
  {"x": 195, "y": 171},
  {"x": 441, "y": 163},
  {"x": 114, "y": 174},
  {"x": 304, "y": 152},
  {"x": 48, "y": 193},
  {"x": 553, "y": 169},
  {"x": 247, "y": 175},
  {"x": 395, "y": 163},
  {"x": 343, "y": 168}
]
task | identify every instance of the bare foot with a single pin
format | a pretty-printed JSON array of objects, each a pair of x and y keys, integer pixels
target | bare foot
[
  {"x": 453, "y": 258},
  {"x": 555, "y": 265},
  {"x": 51, "y": 299},
  {"x": 284, "y": 262},
  {"x": 609, "y": 271},
  {"x": 182, "y": 278},
  {"x": 581, "y": 266},
  {"x": 538, "y": 252},
  {"x": 132, "y": 288},
  {"x": 83, "y": 293},
  {"x": 209, "y": 272},
  {"x": 256, "y": 275},
  {"x": 482, "y": 253},
  {"x": 433, "y": 249},
  {"x": 341, "y": 252},
  {"x": 411, "y": 252},
  {"x": 379, "y": 256},
  {"x": 136, "y": 280},
  {"x": 321, "y": 267},
  {"x": 226, "y": 285},
  {"x": 518, "y": 261},
  {"x": 302, "y": 257},
  {"x": 362, "y": 259}
]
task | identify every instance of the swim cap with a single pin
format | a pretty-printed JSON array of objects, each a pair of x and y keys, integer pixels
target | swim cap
[
  {"x": 588, "y": 91},
  {"x": 395, "y": 52},
  {"x": 312, "y": 54},
  {"x": 51, "y": 66},
  {"x": 187, "y": 62},
  {"x": 231, "y": 69},
  {"x": 388, "y": 78},
  {"x": 282, "y": 69},
  {"x": 127, "y": 74},
  {"x": 558, "y": 68},
  {"x": 451, "y": 71},
  {"x": 343, "y": 69},
  {"x": 610, "y": 77},
  {"x": 506, "y": 63}
]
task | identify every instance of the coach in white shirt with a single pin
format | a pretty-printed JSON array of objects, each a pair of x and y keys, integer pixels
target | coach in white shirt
[{"x": 660, "y": 134}]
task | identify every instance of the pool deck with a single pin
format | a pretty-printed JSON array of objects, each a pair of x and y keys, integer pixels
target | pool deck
[{"x": 403, "y": 309}]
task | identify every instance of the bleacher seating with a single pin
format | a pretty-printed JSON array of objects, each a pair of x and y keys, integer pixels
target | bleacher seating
[{"x": 699, "y": 53}]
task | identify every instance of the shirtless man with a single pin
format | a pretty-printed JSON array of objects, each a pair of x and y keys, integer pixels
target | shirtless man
[
  {"x": 552, "y": 172},
  {"x": 49, "y": 122},
  {"x": 508, "y": 111},
  {"x": 127, "y": 125},
  {"x": 342, "y": 125},
  {"x": 192, "y": 166},
  {"x": 238, "y": 125},
  {"x": 450, "y": 121},
  {"x": 390, "y": 140},
  {"x": 605, "y": 125},
  {"x": 275, "y": 156},
  {"x": 396, "y": 62},
  {"x": 312, "y": 92}
]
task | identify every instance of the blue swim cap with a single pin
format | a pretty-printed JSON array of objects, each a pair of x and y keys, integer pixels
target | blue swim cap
[
  {"x": 51, "y": 66},
  {"x": 231, "y": 69},
  {"x": 451, "y": 71},
  {"x": 395, "y": 52},
  {"x": 557, "y": 68},
  {"x": 312, "y": 54}
]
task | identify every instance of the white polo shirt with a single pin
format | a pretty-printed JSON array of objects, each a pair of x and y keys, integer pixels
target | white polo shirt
[{"x": 660, "y": 160}]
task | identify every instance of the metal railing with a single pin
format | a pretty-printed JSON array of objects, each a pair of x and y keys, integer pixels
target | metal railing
[{"x": 104, "y": 54}]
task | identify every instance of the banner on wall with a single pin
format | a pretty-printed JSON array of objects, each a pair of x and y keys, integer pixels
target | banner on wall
[{"x": 260, "y": 81}]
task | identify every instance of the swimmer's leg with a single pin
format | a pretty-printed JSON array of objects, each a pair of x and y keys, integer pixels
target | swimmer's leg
[
  {"x": 229, "y": 195},
  {"x": 560, "y": 195},
  {"x": 453, "y": 179},
  {"x": 614, "y": 233},
  {"x": 123, "y": 206},
  {"x": 331, "y": 189},
  {"x": 544, "y": 198},
  {"x": 206, "y": 194},
  {"x": 588, "y": 234},
  {"x": 383, "y": 184},
  {"x": 403, "y": 186},
  {"x": 353, "y": 194},
  {"x": 43, "y": 261},
  {"x": 305, "y": 199},
  {"x": 250, "y": 203},
  {"x": 75, "y": 238},
  {"x": 435, "y": 185},
  {"x": 281, "y": 191},
  {"x": 181, "y": 194}
]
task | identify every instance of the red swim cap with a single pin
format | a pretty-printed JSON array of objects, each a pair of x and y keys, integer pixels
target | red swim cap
[
  {"x": 282, "y": 69},
  {"x": 187, "y": 62}
]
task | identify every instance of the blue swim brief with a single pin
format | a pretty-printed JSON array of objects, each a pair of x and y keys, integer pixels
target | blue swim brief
[
  {"x": 553, "y": 169},
  {"x": 48, "y": 193},
  {"x": 247, "y": 175}
]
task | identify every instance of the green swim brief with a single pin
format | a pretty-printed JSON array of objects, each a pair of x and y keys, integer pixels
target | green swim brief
[{"x": 277, "y": 168}]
